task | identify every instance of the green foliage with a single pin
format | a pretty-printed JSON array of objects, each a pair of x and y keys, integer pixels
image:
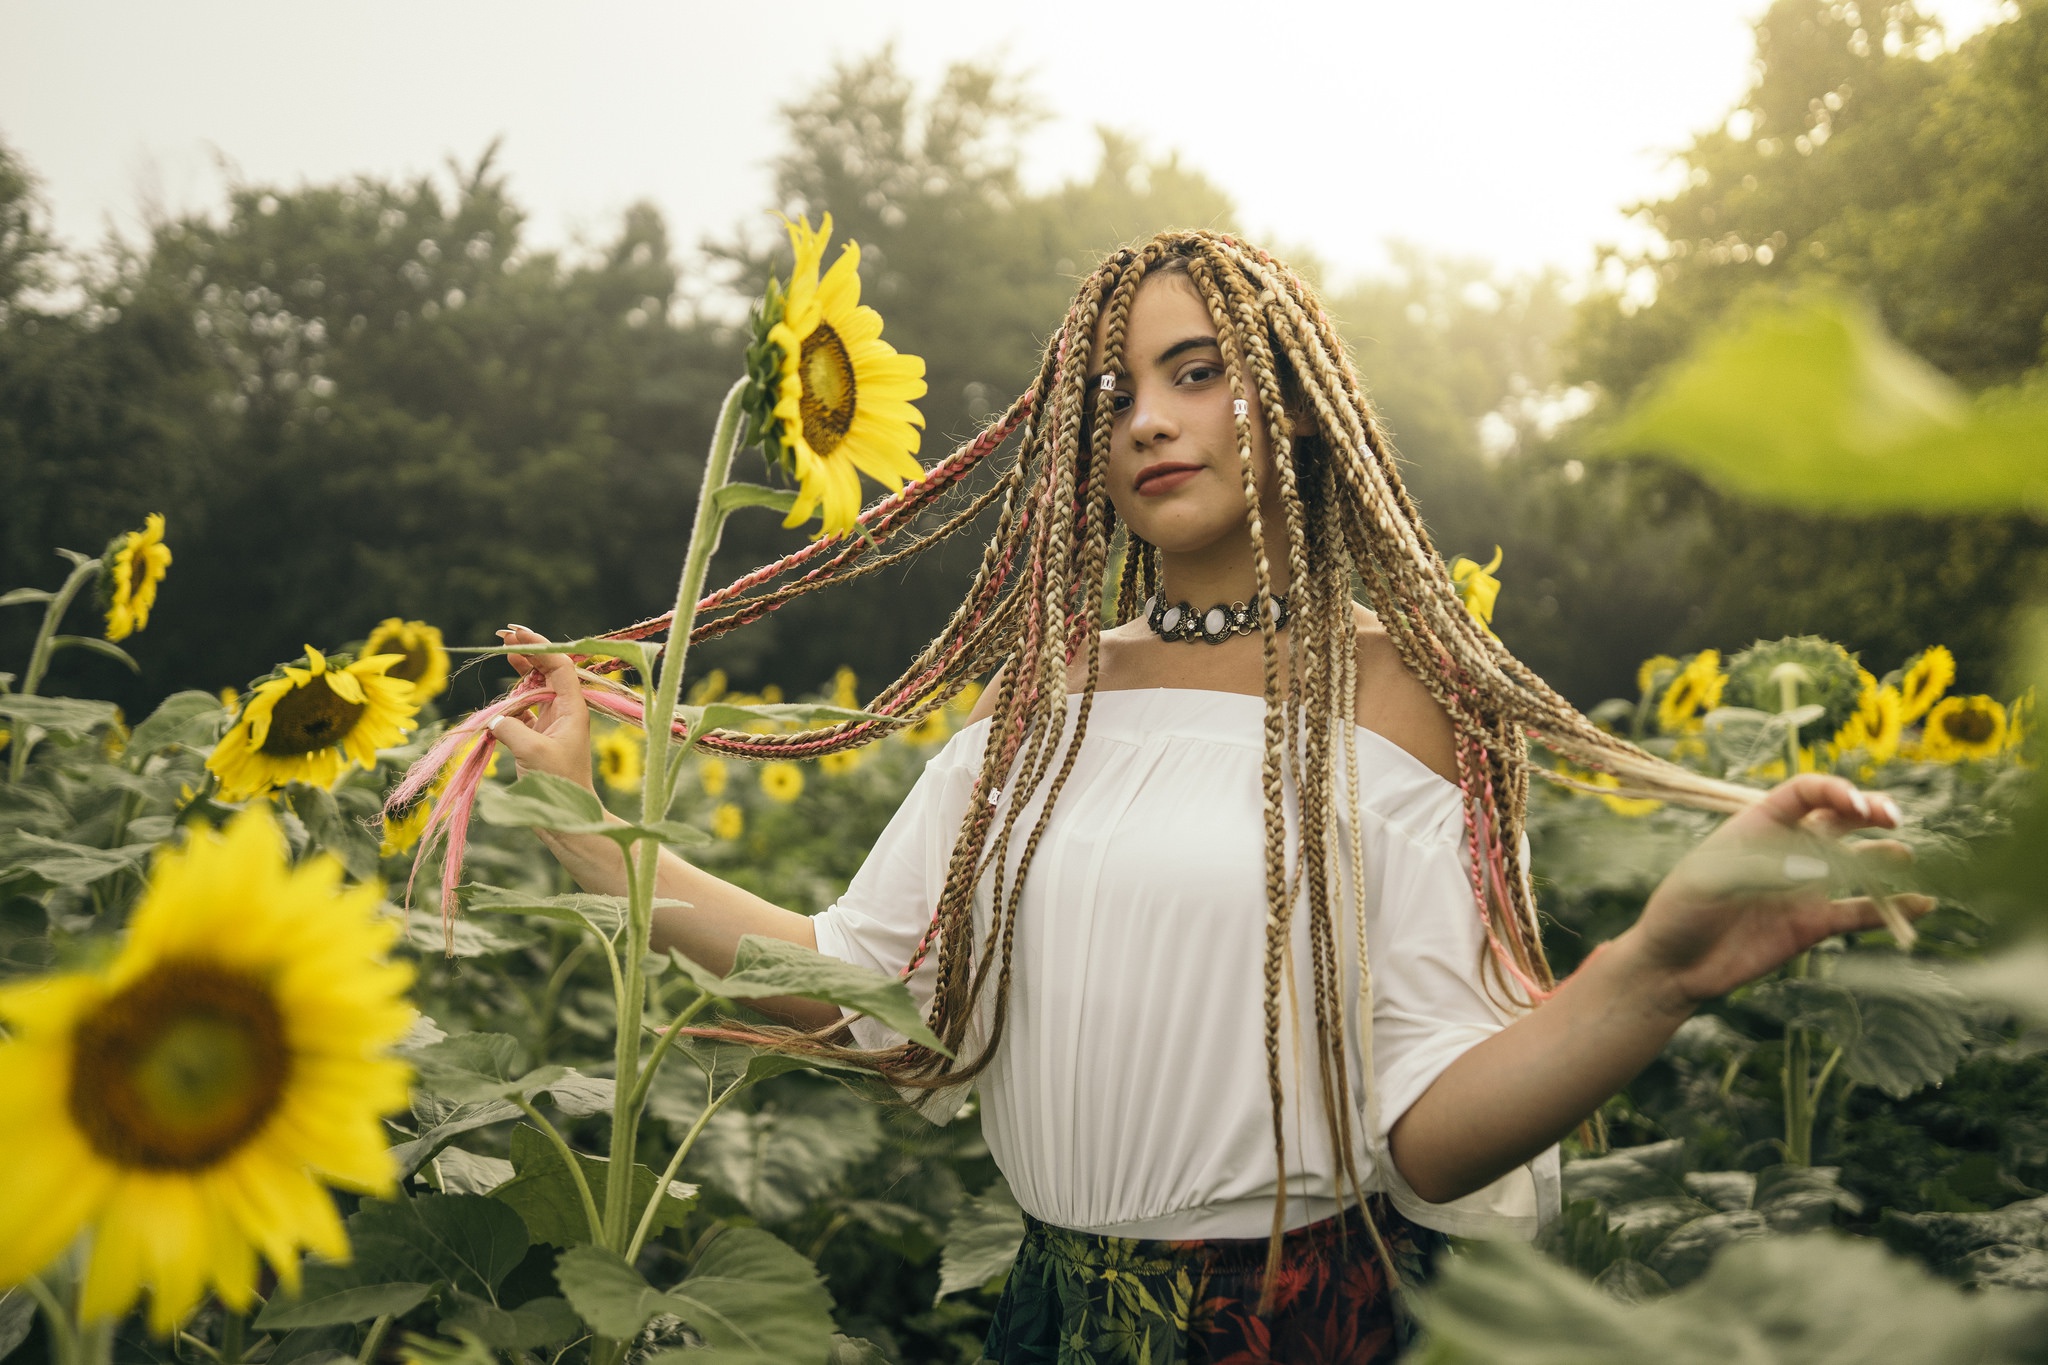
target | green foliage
[{"x": 748, "y": 1296}]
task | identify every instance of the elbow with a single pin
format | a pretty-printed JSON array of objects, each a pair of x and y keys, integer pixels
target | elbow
[{"x": 1431, "y": 1181}]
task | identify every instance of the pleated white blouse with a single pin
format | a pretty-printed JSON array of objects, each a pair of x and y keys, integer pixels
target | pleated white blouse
[{"x": 1129, "y": 1094}]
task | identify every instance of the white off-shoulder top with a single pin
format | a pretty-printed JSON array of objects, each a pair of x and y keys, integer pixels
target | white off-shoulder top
[{"x": 1129, "y": 1093}]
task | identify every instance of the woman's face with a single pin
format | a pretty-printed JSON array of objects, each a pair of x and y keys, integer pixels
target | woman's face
[{"x": 1174, "y": 473}]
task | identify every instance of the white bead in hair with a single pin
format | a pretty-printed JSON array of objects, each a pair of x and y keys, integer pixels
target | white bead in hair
[{"x": 1240, "y": 407}]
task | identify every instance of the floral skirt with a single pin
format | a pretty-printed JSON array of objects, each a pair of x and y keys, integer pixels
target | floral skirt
[{"x": 1075, "y": 1298}]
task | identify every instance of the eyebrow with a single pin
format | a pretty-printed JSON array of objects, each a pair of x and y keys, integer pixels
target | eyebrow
[{"x": 1180, "y": 347}]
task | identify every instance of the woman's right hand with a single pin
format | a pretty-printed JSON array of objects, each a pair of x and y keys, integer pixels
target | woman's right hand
[{"x": 556, "y": 740}]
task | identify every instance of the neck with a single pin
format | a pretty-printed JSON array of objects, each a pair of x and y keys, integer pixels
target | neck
[{"x": 1223, "y": 573}]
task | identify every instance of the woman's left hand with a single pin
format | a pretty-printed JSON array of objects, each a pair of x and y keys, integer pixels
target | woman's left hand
[{"x": 1755, "y": 892}]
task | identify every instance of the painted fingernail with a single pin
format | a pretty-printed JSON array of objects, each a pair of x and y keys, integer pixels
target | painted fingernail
[
  {"x": 1891, "y": 809},
  {"x": 1861, "y": 803},
  {"x": 493, "y": 723},
  {"x": 1801, "y": 868}
]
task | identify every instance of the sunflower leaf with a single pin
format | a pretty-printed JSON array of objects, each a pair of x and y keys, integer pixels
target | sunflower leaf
[
  {"x": 544, "y": 1194},
  {"x": 193, "y": 719},
  {"x": 450, "y": 1120},
  {"x": 20, "y": 596},
  {"x": 768, "y": 967},
  {"x": 604, "y": 915},
  {"x": 477, "y": 1067},
  {"x": 734, "y": 496},
  {"x": 60, "y": 715},
  {"x": 94, "y": 644},
  {"x": 749, "y": 1296},
  {"x": 472, "y": 1241},
  {"x": 535, "y": 1323},
  {"x": 329, "y": 1297},
  {"x": 69, "y": 865},
  {"x": 981, "y": 1241},
  {"x": 544, "y": 801}
]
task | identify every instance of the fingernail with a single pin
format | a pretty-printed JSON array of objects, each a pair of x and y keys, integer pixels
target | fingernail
[
  {"x": 1801, "y": 868},
  {"x": 1891, "y": 809},
  {"x": 493, "y": 723},
  {"x": 1861, "y": 803}
]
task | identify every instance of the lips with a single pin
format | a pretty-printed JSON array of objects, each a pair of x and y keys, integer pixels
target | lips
[{"x": 1164, "y": 477}]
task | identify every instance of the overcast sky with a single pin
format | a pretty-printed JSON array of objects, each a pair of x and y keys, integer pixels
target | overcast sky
[{"x": 1508, "y": 129}]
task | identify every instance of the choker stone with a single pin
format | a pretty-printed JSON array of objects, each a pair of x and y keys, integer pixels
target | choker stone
[{"x": 1182, "y": 622}]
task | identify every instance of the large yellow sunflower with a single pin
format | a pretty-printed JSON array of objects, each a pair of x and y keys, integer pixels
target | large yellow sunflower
[
  {"x": 1928, "y": 675},
  {"x": 423, "y": 660},
  {"x": 133, "y": 563},
  {"x": 308, "y": 724},
  {"x": 1696, "y": 689},
  {"x": 187, "y": 1103},
  {"x": 1963, "y": 727},
  {"x": 844, "y": 398}
]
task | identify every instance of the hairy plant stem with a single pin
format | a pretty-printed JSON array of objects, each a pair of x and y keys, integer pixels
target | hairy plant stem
[
  {"x": 82, "y": 572},
  {"x": 644, "y": 856},
  {"x": 373, "y": 1340},
  {"x": 568, "y": 1156}
]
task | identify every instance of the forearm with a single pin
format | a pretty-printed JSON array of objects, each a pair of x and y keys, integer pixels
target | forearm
[
  {"x": 1508, "y": 1098},
  {"x": 710, "y": 920}
]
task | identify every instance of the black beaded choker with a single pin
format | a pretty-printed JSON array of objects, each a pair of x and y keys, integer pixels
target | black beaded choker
[{"x": 1182, "y": 622}]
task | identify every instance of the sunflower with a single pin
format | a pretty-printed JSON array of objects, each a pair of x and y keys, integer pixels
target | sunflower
[
  {"x": 840, "y": 761},
  {"x": 423, "y": 661},
  {"x": 308, "y": 724},
  {"x": 187, "y": 1102},
  {"x": 845, "y": 688},
  {"x": 712, "y": 775},
  {"x": 620, "y": 755},
  {"x": 1652, "y": 669},
  {"x": 1928, "y": 675},
  {"x": 130, "y": 568},
  {"x": 1696, "y": 689},
  {"x": 1875, "y": 727},
  {"x": 964, "y": 700},
  {"x": 839, "y": 401},
  {"x": 727, "y": 821},
  {"x": 931, "y": 730},
  {"x": 782, "y": 781},
  {"x": 2019, "y": 720},
  {"x": 1963, "y": 727},
  {"x": 1477, "y": 587}
]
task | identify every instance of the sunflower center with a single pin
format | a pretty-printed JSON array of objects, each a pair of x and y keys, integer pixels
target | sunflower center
[
  {"x": 410, "y": 668},
  {"x": 179, "y": 1069},
  {"x": 1971, "y": 725},
  {"x": 828, "y": 397},
  {"x": 308, "y": 719}
]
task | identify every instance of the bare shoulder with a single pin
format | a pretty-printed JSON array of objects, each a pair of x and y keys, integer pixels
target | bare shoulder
[
  {"x": 1111, "y": 663},
  {"x": 1393, "y": 702},
  {"x": 985, "y": 704}
]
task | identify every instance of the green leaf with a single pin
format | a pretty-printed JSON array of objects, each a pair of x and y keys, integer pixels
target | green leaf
[
  {"x": 604, "y": 915},
  {"x": 777, "y": 1161},
  {"x": 2007, "y": 1246},
  {"x": 466, "y": 1239},
  {"x": 191, "y": 719},
  {"x": 981, "y": 1241},
  {"x": 544, "y": 1195},
  {"x": 464, "y": 1172},
  {"x": 17, "y": 1306},
  {"x": 1814, "y": 1300},
  {"x": 445, "y": 1120},
  {"x": 95, "y": 645},
  {"x": 470, "y": 938},
  {"x": 737, "y": 495},
  {"x": 473, "y": 1067},
  {"x": 752, "y": 1299},
  {"x": 1813, "y": 406},
  {"x": 767, "y": 967},
  {"x": 17, "y": 597},
  {"x": 71, "y": 865},
  {"x": 1901, "y": 1027},
  {"x": 848, "y": 1350},
  {"x": 339, "y": 1301},
  {"x": 543, "y": 801},
  {"x": 2016, "y": 978},
  {"x": 71, "y": 716},
  {"x": 346, "y": 839},
  {"x": 532, "y": 1325}
]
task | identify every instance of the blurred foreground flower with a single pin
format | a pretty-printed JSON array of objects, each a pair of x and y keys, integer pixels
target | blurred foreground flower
[
  {"x": 308, "y": 724},
  {"x": 133, "y": 563},
  {"x": 423, "y": 661},
  {"x": 186, "y": 1103},
  {"x": 830, "y": 399}
]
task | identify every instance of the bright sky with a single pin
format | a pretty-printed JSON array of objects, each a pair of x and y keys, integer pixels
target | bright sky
[{"x": 1499, "y": 128}]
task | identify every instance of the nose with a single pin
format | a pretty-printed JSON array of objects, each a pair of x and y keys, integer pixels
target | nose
[{"x": 1151, "y": 420}]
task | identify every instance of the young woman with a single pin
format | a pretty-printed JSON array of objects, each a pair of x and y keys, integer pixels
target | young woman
[{"x": 1134, "y": 889}]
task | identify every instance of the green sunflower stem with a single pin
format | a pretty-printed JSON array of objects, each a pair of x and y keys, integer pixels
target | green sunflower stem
[
  {"x": 654, "y": 788},
  {"x": 83, "y": 572}
]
